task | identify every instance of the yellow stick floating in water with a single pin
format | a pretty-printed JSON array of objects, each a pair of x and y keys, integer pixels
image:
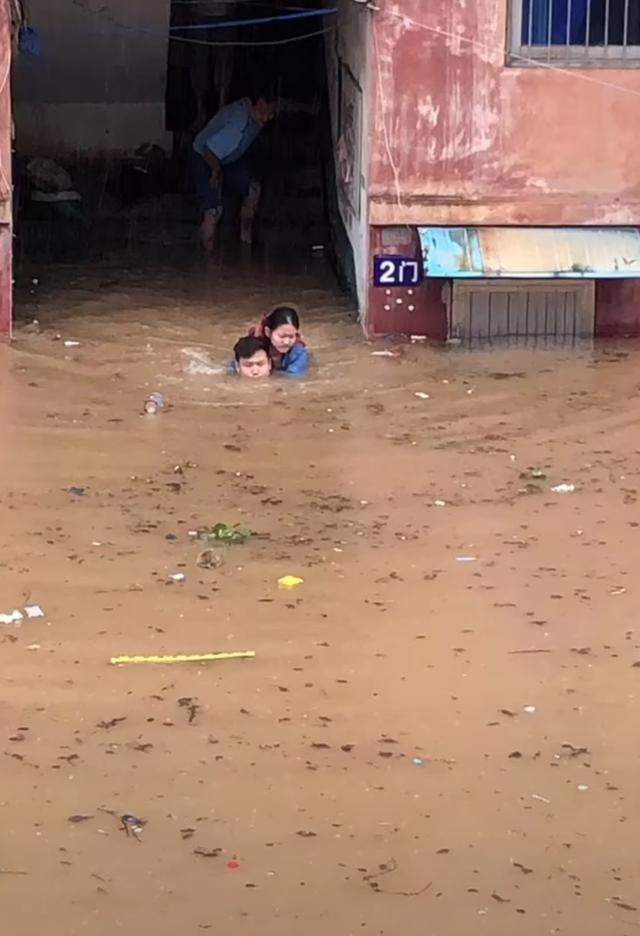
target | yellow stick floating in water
[{"x": 184, "y": 658}]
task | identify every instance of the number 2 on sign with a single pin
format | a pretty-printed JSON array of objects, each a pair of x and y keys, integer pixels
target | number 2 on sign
[
  {"x": 387, "y": 273},
  {"x": 396, "y": 271}
]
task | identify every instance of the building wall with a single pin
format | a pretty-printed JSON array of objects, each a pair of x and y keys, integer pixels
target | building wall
[
  {"x": 458, "y": 137},
  {"x": 6, "y": 280},
  {"x": 349, "y": 98},
  {"x": 618, "y": 308},
  {"x": 421, "y": 311},
  {"x": 99, "y": 84}
]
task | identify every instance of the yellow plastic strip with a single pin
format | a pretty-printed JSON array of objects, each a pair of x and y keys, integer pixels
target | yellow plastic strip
[{"x": 184, "y": 658}]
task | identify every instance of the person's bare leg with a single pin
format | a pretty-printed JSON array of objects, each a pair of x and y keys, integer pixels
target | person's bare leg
[
  {"x": 208, "y": 230},
  {"x": 248, "y": 213}
]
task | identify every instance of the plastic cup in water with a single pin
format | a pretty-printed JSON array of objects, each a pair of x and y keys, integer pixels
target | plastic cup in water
[{"x": 153, "y": 404}]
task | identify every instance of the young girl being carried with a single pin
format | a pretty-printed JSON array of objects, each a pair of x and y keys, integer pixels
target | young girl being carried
[{"x": 286, "y": 346}]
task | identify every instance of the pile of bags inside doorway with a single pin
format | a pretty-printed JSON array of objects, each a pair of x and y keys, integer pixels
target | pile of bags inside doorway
[{"x": 52, "y": 187}]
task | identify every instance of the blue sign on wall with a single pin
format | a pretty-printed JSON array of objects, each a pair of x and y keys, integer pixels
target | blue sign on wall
[{"x": 397, "y": 271}]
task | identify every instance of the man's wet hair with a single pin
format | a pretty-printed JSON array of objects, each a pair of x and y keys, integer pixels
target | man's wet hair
[{"x": 248, "y": 346}]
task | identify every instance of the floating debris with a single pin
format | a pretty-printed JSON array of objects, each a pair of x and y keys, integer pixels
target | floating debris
[
  {"x": 184, "y": 658},
  {"x": 207, "y": 852},
  {"x": 15, "y": 616},
  {"x": 132, "y": 825},
  {"x": 154, "y": 403},
  {"x": 290, "y": 581},
  {"x": 209, "y": 559},
  {"x": 229, "y": 534},
  {"x": 533, "y": 474}
]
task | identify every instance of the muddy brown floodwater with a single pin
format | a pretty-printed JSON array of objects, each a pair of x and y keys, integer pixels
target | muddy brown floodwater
[{"x": 439, "y": 732}]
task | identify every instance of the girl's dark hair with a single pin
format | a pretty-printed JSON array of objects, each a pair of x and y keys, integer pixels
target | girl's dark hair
[{"x": 282, "y": 315}]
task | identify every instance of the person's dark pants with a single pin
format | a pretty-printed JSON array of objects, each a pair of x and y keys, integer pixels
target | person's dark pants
[{"x": 238, "y": 179}]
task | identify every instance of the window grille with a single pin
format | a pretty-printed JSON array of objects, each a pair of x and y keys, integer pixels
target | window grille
[{"x": 576, "y": 32}]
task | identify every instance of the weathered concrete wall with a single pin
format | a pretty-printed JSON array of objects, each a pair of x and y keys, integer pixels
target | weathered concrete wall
[
  {"x": 99, "y": 84},
  {"x": 6, "y": 236},
  {"x": 458, "y": 137},
  {"x": 349, "y": 98}
]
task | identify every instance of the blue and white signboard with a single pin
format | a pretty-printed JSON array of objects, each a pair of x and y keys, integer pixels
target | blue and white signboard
[{"x": 397, "y": 271}]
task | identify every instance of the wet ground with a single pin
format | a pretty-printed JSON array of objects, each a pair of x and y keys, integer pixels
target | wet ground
[{"x": 438, "y": 733}]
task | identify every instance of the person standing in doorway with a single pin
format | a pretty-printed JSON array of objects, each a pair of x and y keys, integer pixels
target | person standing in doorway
[{"x": 222, "y": 162}]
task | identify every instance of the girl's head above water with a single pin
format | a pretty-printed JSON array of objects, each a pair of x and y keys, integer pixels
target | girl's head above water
[{"x": 282, "y": 327}]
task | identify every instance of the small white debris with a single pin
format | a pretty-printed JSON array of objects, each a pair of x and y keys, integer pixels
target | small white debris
[
  {"x": 582, "y": 787},
  {"x": 178, "y": 577},
  {"x": 33, "y": 647},
  {"x": 564, "y": 489},
  {"x": 421, "y": 395},
  {"x": 440, "y": 503},
  {"x": 34, "y": 611},
  {"x": 385, "y": 353},
  {"x": 465, "y": 558},
  {"x": 530, "y": 709},
  {"x": 541, "y": 799},
  {"x": 416, "y": 338},
  {"x": 72, "y": 344},
  {"x": 14, "y": 618}
]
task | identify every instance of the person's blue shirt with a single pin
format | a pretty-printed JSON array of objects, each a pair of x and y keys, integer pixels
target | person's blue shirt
[
  {"x": 230, "y": 133},
  {"x": 295, "y": 362}
]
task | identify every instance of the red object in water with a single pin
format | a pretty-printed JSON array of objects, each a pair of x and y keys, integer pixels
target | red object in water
[{"x": 233, "y": 865}]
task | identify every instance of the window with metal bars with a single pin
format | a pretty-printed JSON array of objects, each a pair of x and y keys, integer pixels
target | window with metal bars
[{"x": 576, "y": 32}]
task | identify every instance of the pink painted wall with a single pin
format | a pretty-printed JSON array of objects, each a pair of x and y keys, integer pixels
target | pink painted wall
[
  {"x": 458, "y": 137},
  {"x": 6, "y": 288}
]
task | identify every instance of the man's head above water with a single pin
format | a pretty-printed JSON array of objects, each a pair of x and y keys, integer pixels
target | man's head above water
[{"x": 252, "y": 358}]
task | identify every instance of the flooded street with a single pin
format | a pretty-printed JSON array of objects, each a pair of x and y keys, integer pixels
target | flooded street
[{"x": 438, "y": 733}]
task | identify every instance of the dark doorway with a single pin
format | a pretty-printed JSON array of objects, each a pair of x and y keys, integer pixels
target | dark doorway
[{"x": 283, "y": 60}]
